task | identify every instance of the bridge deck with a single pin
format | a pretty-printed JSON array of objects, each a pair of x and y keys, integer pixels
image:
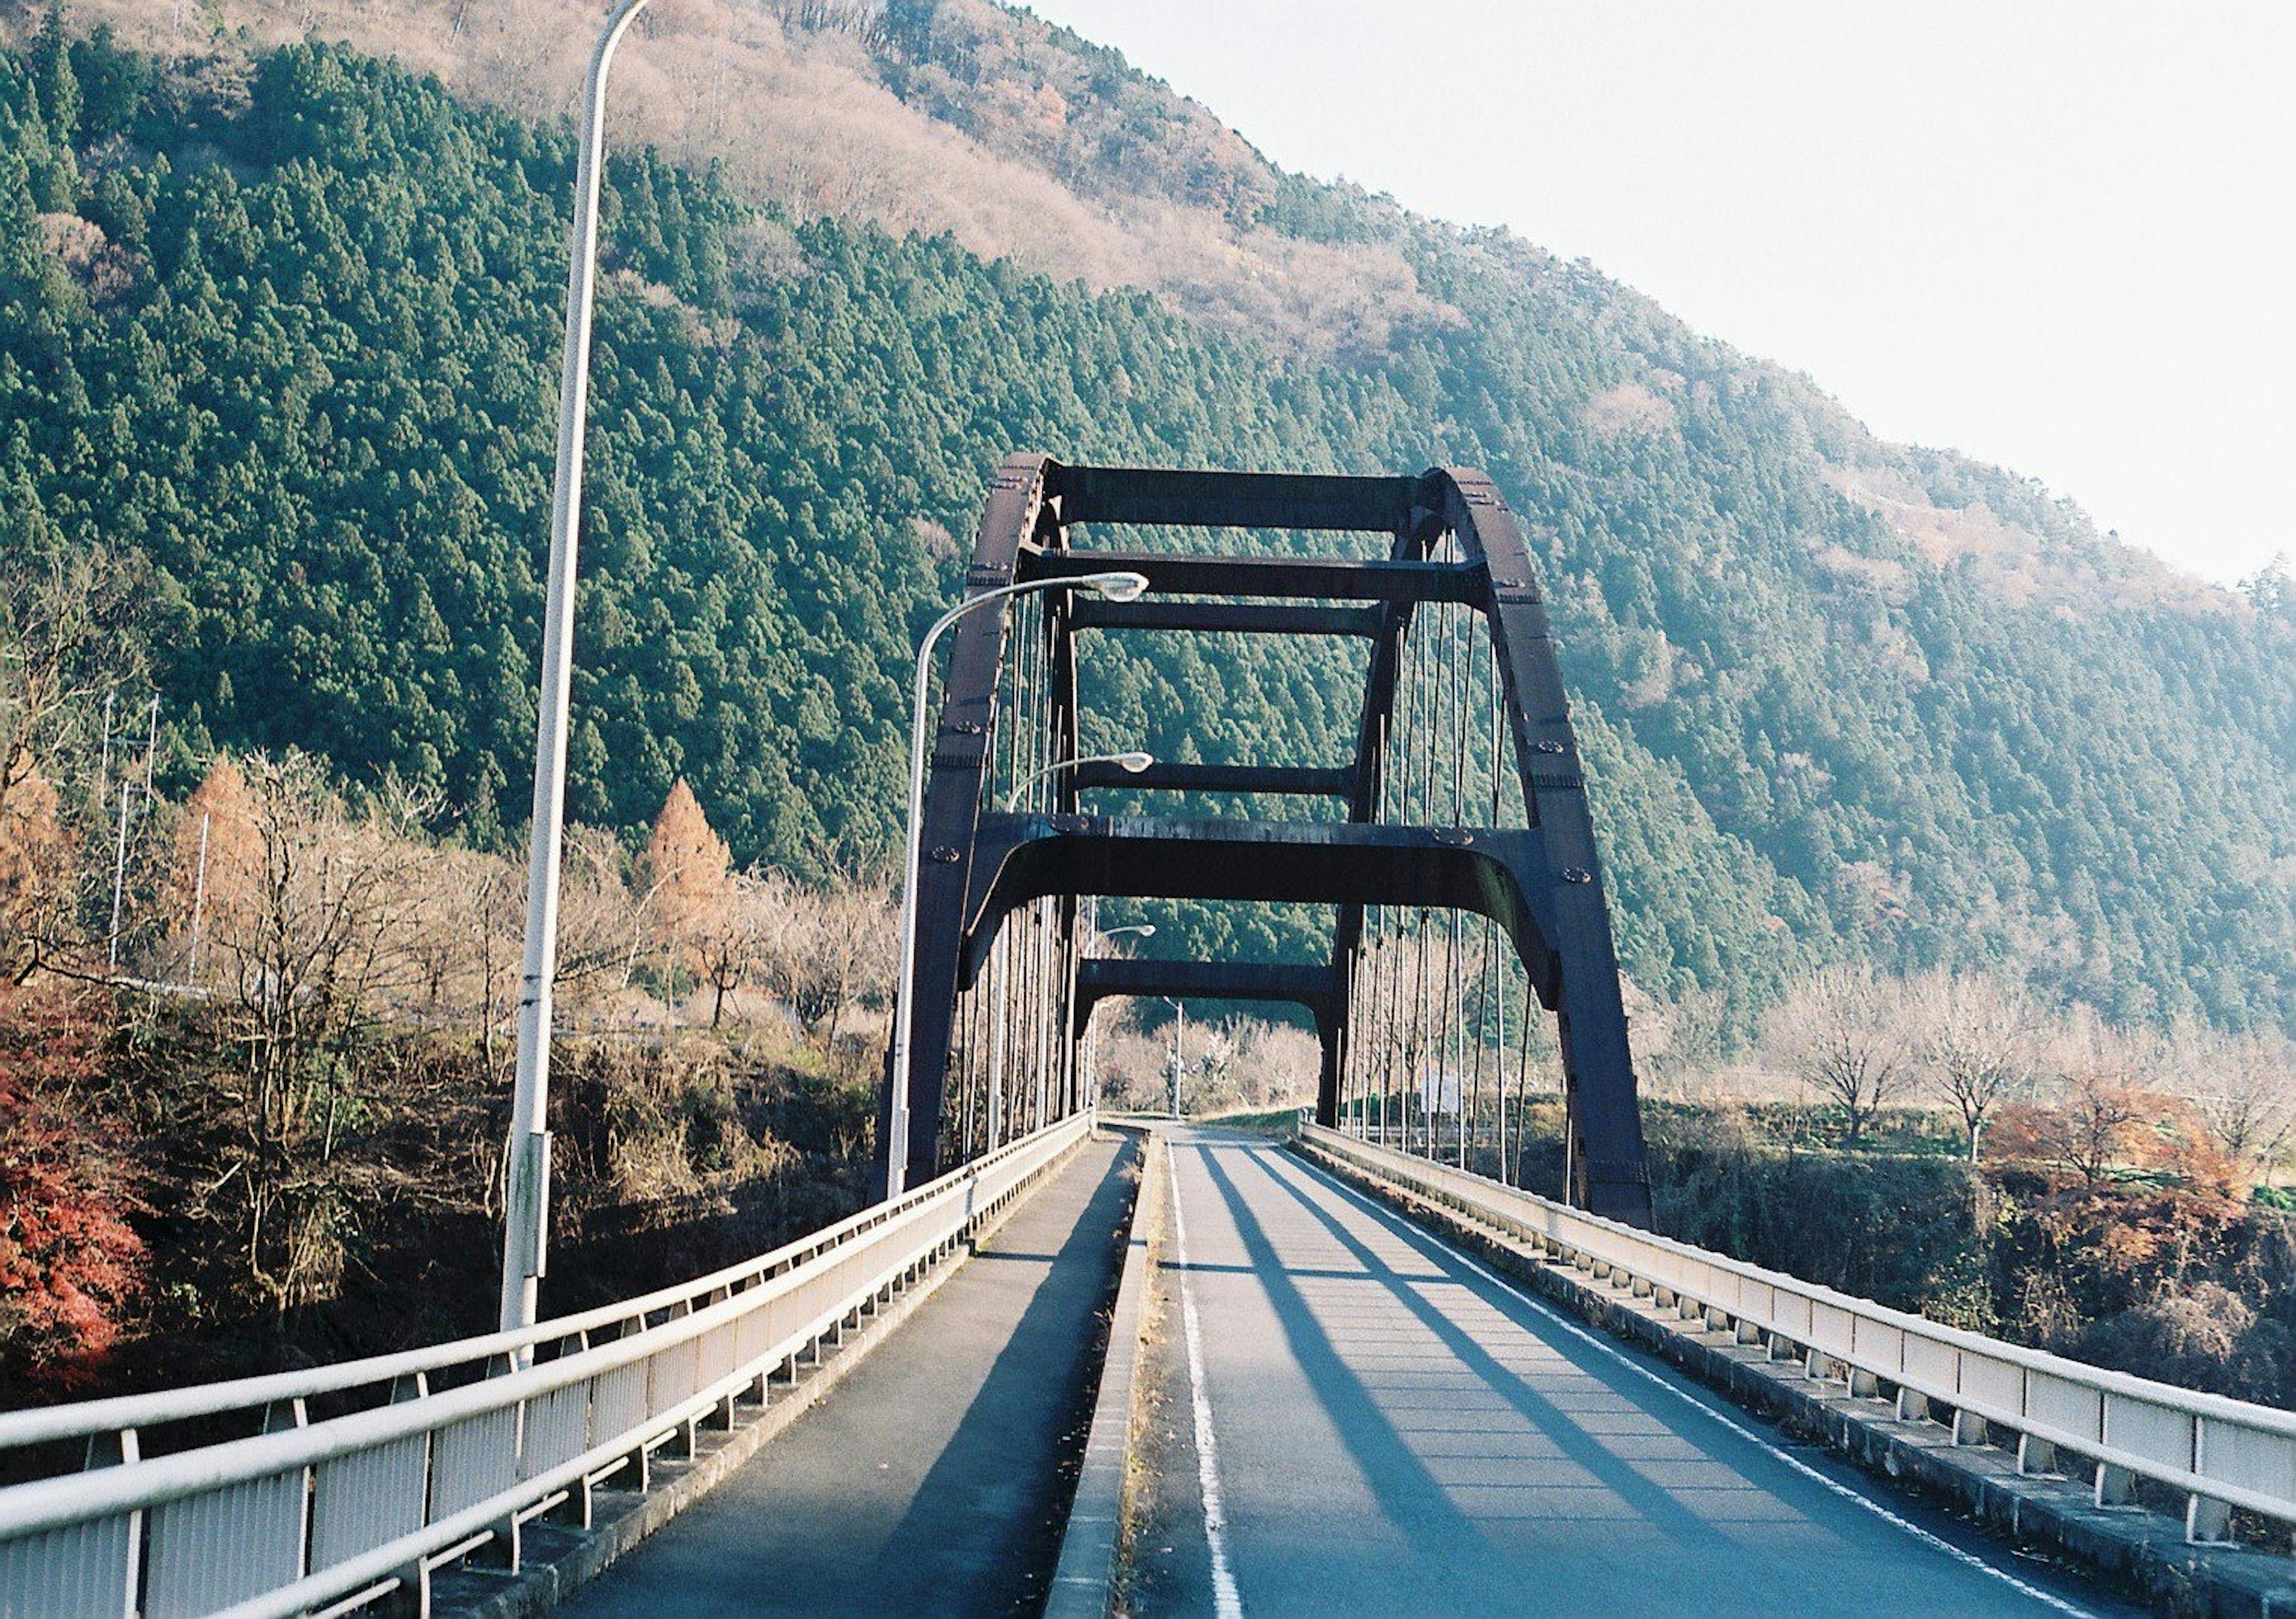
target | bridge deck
[
  {"x": 1395, "y": 1431},
  {"x": 931, "y": 1481}
]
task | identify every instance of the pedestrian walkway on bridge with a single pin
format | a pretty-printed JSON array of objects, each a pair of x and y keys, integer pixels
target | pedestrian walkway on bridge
[{"x": 934, "y": 1480}]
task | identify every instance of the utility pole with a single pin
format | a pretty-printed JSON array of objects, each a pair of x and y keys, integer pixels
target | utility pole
[{"x": 119, "y": 878}]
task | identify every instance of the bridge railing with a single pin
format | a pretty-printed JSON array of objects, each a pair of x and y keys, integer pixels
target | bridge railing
[
  {"x": 2219, "y": 1453},
  {"x": 320, "y": 1517}
]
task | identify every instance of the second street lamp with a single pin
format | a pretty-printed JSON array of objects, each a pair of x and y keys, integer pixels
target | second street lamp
[
  {"x": 1133, "y": 763},
  {"x": 1116, "y": 586}
]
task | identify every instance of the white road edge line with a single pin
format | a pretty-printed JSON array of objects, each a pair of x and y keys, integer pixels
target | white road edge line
[
  {"x": 1227, "y": 1604},
  {"x": 1612, "y": 1351}
]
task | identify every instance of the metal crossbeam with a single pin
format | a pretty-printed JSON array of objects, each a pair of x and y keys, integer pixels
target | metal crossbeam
[
  {"x": 1303, "y": 985},
  {"x": 1299, "y": 781},
  {"x": 1235, "y": 617},
  {"x": 1232, "y": 500},
  {"x": 1454, "y": 607},
  {"x": 1283, "y": 578}
]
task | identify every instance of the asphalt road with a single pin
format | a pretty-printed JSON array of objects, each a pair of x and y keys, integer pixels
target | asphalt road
[
  {"x": 1370, "y": 1423},
  {"x": 931, "y": 1481}
]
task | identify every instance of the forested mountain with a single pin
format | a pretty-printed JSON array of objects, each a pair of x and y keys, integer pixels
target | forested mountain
[{"x": 286, "y": 323}]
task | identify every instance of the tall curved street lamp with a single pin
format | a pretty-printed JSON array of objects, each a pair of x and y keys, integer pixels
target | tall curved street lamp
[
  {"x": 1134, "y": 763},
  {"x": 1116, "y": 586},
  {"x": 526, "y": 1199}
]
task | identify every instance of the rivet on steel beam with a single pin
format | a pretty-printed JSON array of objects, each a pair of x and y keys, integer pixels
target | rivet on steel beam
[
  {"x": 1577, "y": 874},
  {"x": 1454, "y": 837},
  {"x": 1552, "y": 746},
  {"x": 967, "y": 727},
  {"x": 942, "y": 856}
]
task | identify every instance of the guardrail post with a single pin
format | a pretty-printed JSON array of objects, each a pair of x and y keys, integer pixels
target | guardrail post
[
  {"x": 2115, "y": 1486},
  {"x": 1747, "y": 1332},
  {"x": 411, "y": 1600},
  {"x": 1969, "y": 1428},
  {"x": 2208, "y": 1522},
  {"x": 1865, "y": 1385},
  {"x": 1912, "y": 1406},
  {"x": 2036, "y": 1457}
]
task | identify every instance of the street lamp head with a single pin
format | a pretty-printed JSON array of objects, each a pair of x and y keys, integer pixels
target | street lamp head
[
  {"x": 1116, "y": 587},
  {"x": 1135, "y": 763}
]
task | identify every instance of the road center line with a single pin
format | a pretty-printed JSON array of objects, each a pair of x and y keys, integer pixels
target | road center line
[
  {"x": 1227, "y": 1604},
  {"x": 1613, "y": 1352}
]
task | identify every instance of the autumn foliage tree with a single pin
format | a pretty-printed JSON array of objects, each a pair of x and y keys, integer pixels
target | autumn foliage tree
[
  {"x": 70, "y": 1263},
  {"x": 688, "y": 875},
  {"x": 39, "y": 869},
  {"x": 215, "y": 866}
]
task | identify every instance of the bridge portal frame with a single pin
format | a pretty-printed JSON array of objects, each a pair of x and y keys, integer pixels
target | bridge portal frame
[{"x": 1542, "y": 883}]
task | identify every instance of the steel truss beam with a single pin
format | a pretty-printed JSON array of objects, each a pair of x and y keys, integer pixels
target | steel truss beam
[
  {"x": 1541, "y": 883},
  {"x": 1100, "y": 980}
]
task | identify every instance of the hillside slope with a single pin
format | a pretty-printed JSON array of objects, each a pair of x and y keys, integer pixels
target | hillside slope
[{"x": 289, "y": 329}]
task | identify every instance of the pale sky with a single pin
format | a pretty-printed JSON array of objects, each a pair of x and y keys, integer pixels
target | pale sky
[{"x": 2050, "y": 233}]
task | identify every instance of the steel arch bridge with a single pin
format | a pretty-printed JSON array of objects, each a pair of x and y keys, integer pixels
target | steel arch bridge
[{"x": 1459, "y": 868}]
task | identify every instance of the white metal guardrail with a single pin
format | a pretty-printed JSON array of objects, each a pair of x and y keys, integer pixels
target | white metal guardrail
[
  {"x": 2220, "y": 1454},
  {"x": 303, "y": 1516}
]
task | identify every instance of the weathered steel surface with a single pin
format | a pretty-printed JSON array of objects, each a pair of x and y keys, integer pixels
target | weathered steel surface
[{"x": 1540, "y": 882}]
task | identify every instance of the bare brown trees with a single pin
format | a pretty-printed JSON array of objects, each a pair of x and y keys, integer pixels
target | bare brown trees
[
  {"x": 2243, "y": 1087},
  {"x": 1842, "y": 1031},
  {"x": 827, "y": 948},
  {"x": 316, "y": 928},
  {"x": 1979, "y": 1041}
]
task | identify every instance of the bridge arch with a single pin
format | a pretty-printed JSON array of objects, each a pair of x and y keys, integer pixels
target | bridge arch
[{"x": 1456, "y": 626}]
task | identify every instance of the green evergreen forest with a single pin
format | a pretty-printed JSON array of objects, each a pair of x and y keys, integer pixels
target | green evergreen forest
[{"x": 293, "y": 336}]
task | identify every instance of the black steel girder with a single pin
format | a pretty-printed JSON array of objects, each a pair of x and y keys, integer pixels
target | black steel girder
[
  {"x": 1234, "y": 617},
  {"x": 1299, "y": 781},
  {"x": 1541, "y": 883},
  {"x": 1286, "y": 579},
  {"x": 1103, "y": 978}
]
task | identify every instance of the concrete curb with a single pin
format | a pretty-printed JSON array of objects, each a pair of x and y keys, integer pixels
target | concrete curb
[
  {"x": 1086, "y": 1579},
  {"x": 2132, "y": 1549},
  {"x": 560, "y": 1557}
]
